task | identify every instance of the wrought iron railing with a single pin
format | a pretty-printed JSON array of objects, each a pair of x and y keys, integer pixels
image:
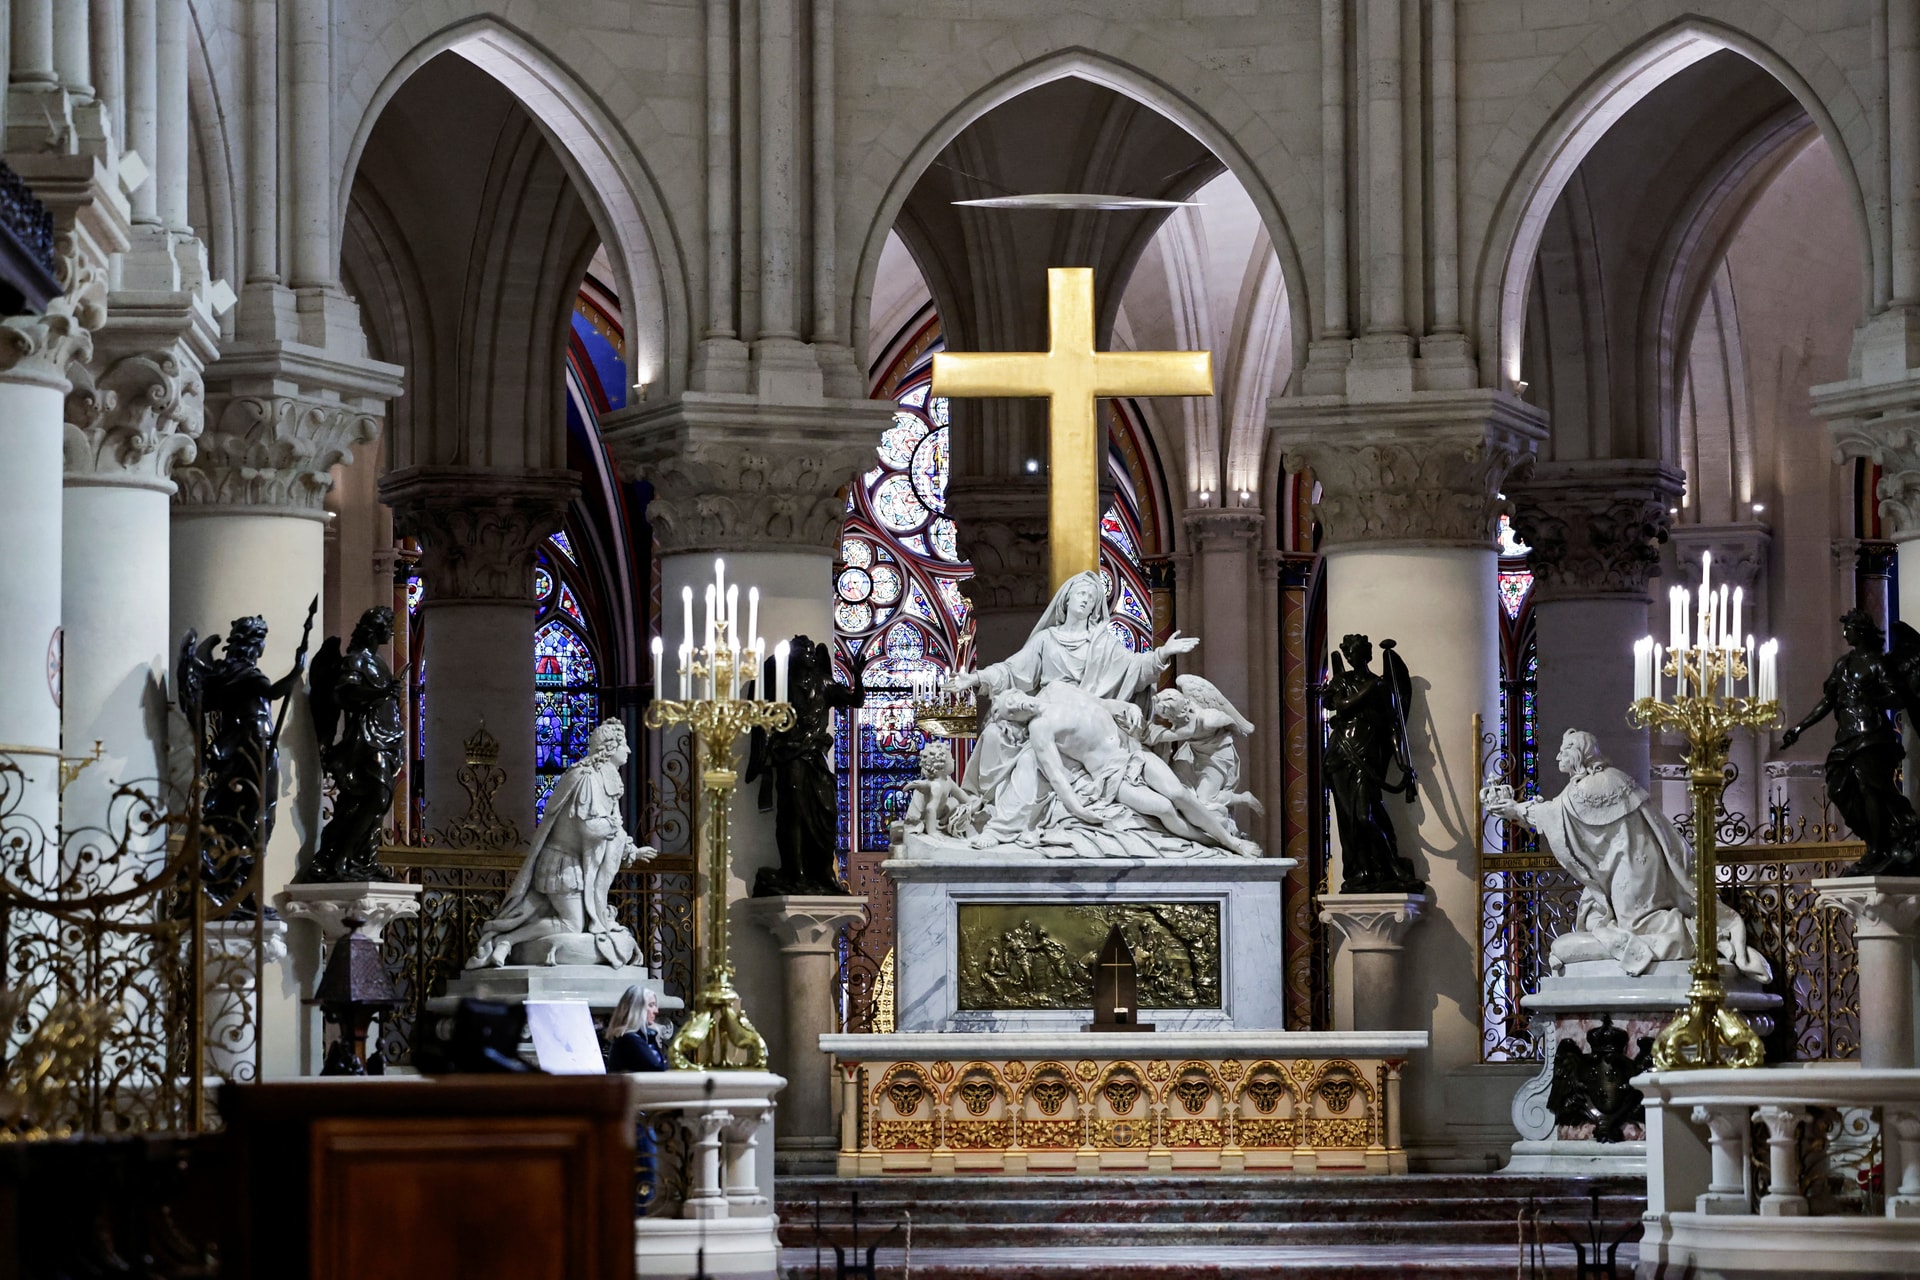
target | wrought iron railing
[{"x": 1765, "y": 875}]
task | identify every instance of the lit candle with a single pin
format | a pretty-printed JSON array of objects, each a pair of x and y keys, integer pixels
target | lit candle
[
  {"x": 1752, "y": 673},
  {"x": 709, "y": 645},
  {"x": 659, "y": 654},
  {"x": 1659, "y": 660},
  {"x": 780, "y": 652},
  {"x": 733, "y": 665},
  {"x": 1733, "y": 629},
  {"x": 1723, "y": 638},
  {"x": 686, "y": 669},
  {"x": 1706, "y": 597},
  {"x": 719, "y": 580},
  {"x": 686, "y": 613},
  {"x": 733, "y": 612},
  {"x": 753, "y": 615},
  {"x": 1676, "y": 616},
  {"x": 1642, "y": 651}
]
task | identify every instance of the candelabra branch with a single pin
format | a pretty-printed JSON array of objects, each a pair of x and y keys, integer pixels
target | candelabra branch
[
  {"x": 1706, "y": 1033},
  {"x": 717, "y": 1035}
]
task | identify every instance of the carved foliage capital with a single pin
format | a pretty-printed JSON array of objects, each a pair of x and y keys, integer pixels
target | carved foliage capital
[
  {"x": 723, "y": 496},
  {"x": 1880, "y": 906},
  {"x": 274, "y": 453},
  {"x": 1594, "y": 532},
  {"x": 1225, "y": 528},
  {"x": 136, "y": 420},
  {"x": 39, "y": 348},
  {"x": 1892, "y": 444},
  {"x": 479, "y": 531},
  {"x": 1398, "y": 475}
]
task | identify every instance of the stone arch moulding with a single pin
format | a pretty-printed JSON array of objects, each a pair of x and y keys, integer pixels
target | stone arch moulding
[
  {"x": 1122, "y": 79},
  {"x": 619, "y": 190},
  {"x": 1512, "y": 237}
]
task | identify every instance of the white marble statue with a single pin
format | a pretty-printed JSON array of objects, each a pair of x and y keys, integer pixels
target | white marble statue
[
  {"x": 1637, "y": 901},
  {"x": 1106, "y": 794},
  {"x": 557, "y": 912},
  {"x": 939, "y": 804},
  {"x": 1193, "y": 730},
  {"x": 1073, "y": 644}
]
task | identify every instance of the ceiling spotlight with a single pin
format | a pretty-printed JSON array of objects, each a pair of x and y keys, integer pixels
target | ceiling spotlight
[
  {"x": 1245, "y": 496},
  {"x": 1033, "y": 465},
  {"x": 1206, "y": 496},
  {"x": 1075, "y": 200},
  {"x": 1758, "y": 508},
  {"x": 1673, "y": 511}
]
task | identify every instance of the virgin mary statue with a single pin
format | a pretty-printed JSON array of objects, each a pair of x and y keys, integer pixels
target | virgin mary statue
[{"x": 1074, "y": 644}]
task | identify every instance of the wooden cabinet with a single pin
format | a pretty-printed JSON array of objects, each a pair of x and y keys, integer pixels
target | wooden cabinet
[{"x": 475, "y": 1177}]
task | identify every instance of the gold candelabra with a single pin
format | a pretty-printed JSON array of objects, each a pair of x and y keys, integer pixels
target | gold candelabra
[
  {"x": 1705, "y": 707},
  {"x": 717, "y": 1034},
  {"x": 946, "y": 715}
]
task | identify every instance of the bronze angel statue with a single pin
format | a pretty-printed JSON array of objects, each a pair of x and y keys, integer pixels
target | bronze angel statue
[
  {"x": 228, "y": 705},
  {"x": 1366, "y": 743},
  {"x": 356, "y": 702},
  {"x": 1867, "y": 688}
]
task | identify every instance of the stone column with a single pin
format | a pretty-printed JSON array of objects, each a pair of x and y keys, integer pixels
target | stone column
[
  {"x": 141, "y": 414},
  {"x": 1408, "y": 505},
  {"x": 33, "y": 388},
  {"x": 1003, "y": 530},
  {"x": 1885, "y": 911},
  {"x": 1594, "y": 529},
  {"x": 1223, "y": 541},
  {"x": 1373, "y": 928},
  {"x": 247, "y": 539},
  {"x": 808, "y": 931},
  {"x": 479, "y": 531},
  {"x": 764, "y": 486}
]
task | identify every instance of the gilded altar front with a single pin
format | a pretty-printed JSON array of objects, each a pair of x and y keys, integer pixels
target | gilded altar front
[{"x": 1101, "y": 1111}]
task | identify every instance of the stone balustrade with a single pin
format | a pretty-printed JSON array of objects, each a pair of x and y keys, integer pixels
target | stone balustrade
[
  {"x": 1744, "y": 1172},
  {"x": 711, "y": 1202}
]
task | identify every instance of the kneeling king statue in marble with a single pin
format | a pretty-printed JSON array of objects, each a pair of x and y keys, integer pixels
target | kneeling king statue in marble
[
  {"x": 557, "y": 912},
  {"x": 1636, "y": 901}
]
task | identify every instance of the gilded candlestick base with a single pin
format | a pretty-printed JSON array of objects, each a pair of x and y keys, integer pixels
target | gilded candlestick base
[
  {"x": 717, "y": 1035},
  {"x": 1706, "y": 1033}
]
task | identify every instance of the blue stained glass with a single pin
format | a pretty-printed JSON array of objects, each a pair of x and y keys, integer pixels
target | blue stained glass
[
  {"x": 857, "y": 552},
  {"x": 1130, "y": 606},
  {"x": 886, "y": 584},
  {"x": 542, "y": 788},
  {"x": 956, "y": 603},
  {"x": 1114, "y": 531},
  {"x": 562, "y": 723},
  {"x": 946, "y": 540},
  {"x": 906, "y": 642},
  {"x": 898, "y": 507},
  {"x": 1125, "y": 634},
  {"x": 542, "y": 582},
  {"x": 566, "y": 547},
  {"x": 915, "y": 542},
  {"x": 561, "y": 658},
  {"x": 852, "y": 617},
  {"x": 937, "y": 410},
  {"x": 416, "y": 592},
  {"x": 916, "y": 603},
  {"x": 899, "y": 441},
  {"x": 917, "y": 396}
]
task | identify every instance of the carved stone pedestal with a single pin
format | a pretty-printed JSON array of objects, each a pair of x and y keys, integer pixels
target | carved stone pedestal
[
  {"x": 1570, "y": 1005},
  {"x": 1373, "y": 928},
  {"x": 1886, "y": 916},
  {"x": 710, "y": 1206},
  {"x": 376, "y": 902},
  {"x": 808, "y": 930}
]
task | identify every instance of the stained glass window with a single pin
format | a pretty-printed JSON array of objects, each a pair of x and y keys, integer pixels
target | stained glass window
[{"x": 566, "y": 676}]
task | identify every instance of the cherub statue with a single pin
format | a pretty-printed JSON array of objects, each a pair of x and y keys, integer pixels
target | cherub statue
[
  {"x": 1193, "y": 728},
  {"x": 940, "y": 805}
]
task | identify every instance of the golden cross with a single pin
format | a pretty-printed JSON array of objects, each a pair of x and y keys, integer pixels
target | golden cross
[{"x": 1073, "y": 376}]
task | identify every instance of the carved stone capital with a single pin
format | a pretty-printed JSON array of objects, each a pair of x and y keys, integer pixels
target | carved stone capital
[
  {"x": 375, "y": 903},
  {"x": 806, "y": 925},
  {"x": 1426, "y": 471},
  {"x": 1739, "y": 553},
  {"x": 1373, "y": 921},
  {"x": 1879, "y": 421},
  {"x": 1003, "y": 531},
  {"x": 1594, "y": 527},
  {"x": 272, "y": 453},
  {"x": 132, "y": 423},
  {"x": 733, "y": 473},
  {"x": 1223, "y": 528},
  {"x": 479, "y": 529},
  {"x": 1880, "y": 906},
  {"x": 38, "y": 349}
]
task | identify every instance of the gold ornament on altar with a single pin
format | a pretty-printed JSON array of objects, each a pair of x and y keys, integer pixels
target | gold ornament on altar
[
  {"x": 1720, "y": 684},
  {"x": 717, "y": 1034},
  {"x": 1073, "y": 376}
]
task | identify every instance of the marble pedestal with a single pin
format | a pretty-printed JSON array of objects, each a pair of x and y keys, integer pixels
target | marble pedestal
[
  {"x": 807, "y": 927},
  {"x": 931, "y": 890},
  {"x": 1570, "y": 1004},
  {"x": 1886, "y": 916},
  {"x": 1373, "y": 929},
  {"x": 376, "y": 903},
  {"x": 599, "y": 986}
]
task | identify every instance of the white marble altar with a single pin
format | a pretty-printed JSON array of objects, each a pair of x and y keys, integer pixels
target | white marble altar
[{"x": 930, "y": 891}]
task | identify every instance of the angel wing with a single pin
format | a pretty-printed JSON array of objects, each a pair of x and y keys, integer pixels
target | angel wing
[
  {"x": 322, "y": 675},
  {"x": 1203, "y": 693},
  {"x": 190, "y": 674},
  {"x": 1400, "y": 688},
  {"x": 1903, "y": 663}
]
